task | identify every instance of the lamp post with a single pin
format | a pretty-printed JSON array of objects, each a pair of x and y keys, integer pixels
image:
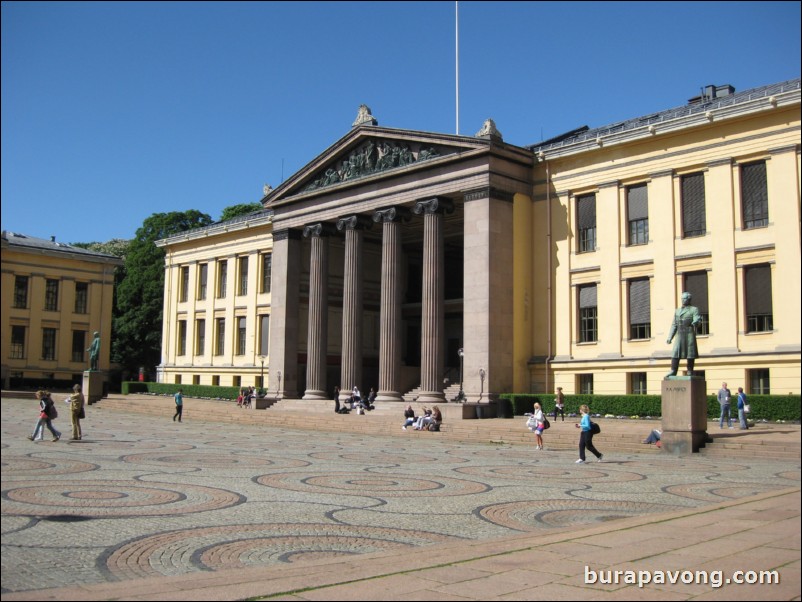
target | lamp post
[
  {"x": 482, "y": 375},
  {"x": 262, "y": 378},
  {"x": 461, "y": 354}
]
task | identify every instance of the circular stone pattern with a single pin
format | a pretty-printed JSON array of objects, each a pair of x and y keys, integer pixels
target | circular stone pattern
[
  {"x": 219, "y": 460},
  {"x": 717, "y": 492},
  {"x": 541, "y": 473},
  {"x": 553, "y": 514},
  {"x": 35, "y": 467},
  {"x": 112, "y": 499},
  {"x": 236, "y": 546},
  {"x": 372, "y": 485}
]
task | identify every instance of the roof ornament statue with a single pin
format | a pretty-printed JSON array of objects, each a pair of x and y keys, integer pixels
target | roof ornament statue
[
  {"x": 489, "y": 130},
  {"x": 267, "y": 189},
  {"x": 364, "y": 117}
]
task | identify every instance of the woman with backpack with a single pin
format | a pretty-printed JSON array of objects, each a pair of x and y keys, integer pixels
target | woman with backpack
[{"x": 47, "y": 412}]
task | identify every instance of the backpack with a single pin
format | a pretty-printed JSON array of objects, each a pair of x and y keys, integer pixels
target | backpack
[
  {"x": 595, "y": 428},
  {"x": 546, "y": 423},
  {"x": 50, "y": 409}
]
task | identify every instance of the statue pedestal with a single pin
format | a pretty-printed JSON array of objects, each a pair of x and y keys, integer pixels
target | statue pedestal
[
  {"x": 93, "y": 386},
  {"x": 684, "y": 407}
]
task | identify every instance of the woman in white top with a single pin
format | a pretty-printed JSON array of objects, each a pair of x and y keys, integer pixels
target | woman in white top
[{"x": 539, "y": 418}]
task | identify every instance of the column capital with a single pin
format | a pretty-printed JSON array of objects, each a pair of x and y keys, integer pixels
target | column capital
[
  {"x": 390, "y": 215},
  {"x": 318, "y": 230},
  {"x": 354, "y": 222},
  {"x": 437, "y": 204}
]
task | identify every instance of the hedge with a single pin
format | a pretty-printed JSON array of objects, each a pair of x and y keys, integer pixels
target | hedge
[
  {"x": 764, "y": 407},
  {"x": 201, "y": 391}
]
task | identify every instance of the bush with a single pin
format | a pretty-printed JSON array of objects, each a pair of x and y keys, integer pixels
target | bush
[
  {"x": 764, "y": 407},
  {"x": 201, "y": 391}
]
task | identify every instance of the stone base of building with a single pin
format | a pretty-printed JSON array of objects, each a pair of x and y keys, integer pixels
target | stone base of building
[
  {"x": 93, "y": 386},
  {"x": 684, "y": 408}
]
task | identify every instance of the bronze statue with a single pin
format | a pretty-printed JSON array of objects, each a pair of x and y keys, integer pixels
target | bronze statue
[
  {"x": 684, "y": 327},
  {"x": 94, "y": 352}
]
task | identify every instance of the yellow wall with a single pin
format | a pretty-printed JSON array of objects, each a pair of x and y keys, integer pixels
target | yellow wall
[
  {"x": 717, "y": 149},
  {"x": 40, "y": 265}
]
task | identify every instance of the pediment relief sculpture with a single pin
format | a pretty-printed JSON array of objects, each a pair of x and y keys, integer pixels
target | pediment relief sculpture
[{"x": 371, "y": 158}]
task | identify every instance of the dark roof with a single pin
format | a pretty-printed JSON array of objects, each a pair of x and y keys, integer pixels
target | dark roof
[
  {"x": 582, "y": 134},
  {"x": 14, "y": 239}
]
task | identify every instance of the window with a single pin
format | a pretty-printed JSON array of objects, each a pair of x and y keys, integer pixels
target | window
[
  {"x": 267, "y": 271},
  {"x": 51, "y": 295},
  {"x": 586, "y": 222},
  {"x": 48, "y": 343},
  {"x": 243, "y": 276},
  {"x": 215, "y": 380},
  {"x": 200, "y": 337},
  {"x": 222, "y": 278},
  {"x": 182, "y": 337},
  {"x": 638, "y": 215},
  {"x": 692, "y": 191},
  {"x": 240, "y": 336},
  {"x": 264, "y": 334},
  {"x": 759, "y": 382},
  {"x": 220, "y": 336},
  {"x": 21, "y": 292},
  {"x": 237, "y": 381},
  {"x": 81, "y": 297},
  {"x": 178, "y": 379},
  {"x": 754, "y": 195},
  {"x": 196, "y": 379},
  {"x": 637, "y": 383},
  {"x": 203, "y": 271},
  {"x": 696, "y": 284},
  {"x": 586, "y": 384},
  {"x": 78, "y": 345},
  {"x": 183, "y": 290},
  {"x": 17, "y": 343},
  {"x": 640, "y": 313},
  {"x": 588, "y": 314},
  {"x": 759, "y": 315}
]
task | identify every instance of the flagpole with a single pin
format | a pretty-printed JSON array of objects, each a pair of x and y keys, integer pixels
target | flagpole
[{"x": 456, "y": 52}]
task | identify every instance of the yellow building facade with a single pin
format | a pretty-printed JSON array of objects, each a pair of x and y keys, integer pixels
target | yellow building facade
[
  {"x": 54, "y": 297},
  {"x": 491, "y": 268},
  {"x": 217, "y": 304},
  {"x": 704, "y": 198}
]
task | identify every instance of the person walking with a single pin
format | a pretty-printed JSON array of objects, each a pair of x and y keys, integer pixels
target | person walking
[
  {"x": 559, "y": 404},
  {"x": 539, "y": 419},
  {"x": 724, "y": 397},
  {"x": 742, "y": 409},
  {"x": 45, "y": 418},
  {"x": 586, "y": 436},
  {"x": 76, "y": 401},
  {"x": 179, "y": 405}
]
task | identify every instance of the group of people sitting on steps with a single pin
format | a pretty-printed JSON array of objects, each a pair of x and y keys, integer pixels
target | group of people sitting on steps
[{"x": 354, "y": 402}]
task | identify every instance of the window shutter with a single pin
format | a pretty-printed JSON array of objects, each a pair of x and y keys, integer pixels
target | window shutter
[
  {"x": 758, "y": 290},
  {"x": 587, "y": 296},
  {"x": 639, "y": 302},
  {"x": 754, "y": 194},
  {"x": 586, "y": 211},
  {"x": 693, "y": 205},
  {"x": 637, "y": 203},
  {"x": 696, "y": 285}
]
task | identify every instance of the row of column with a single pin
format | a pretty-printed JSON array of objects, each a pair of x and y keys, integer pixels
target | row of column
[{"x": 432, "y": 312}]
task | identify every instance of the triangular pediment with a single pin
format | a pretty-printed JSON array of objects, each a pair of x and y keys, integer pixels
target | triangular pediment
[{"x": 368, "y": 153}]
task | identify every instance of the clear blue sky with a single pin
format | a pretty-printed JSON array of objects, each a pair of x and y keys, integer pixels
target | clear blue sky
[{"x": 113, "y": 111}]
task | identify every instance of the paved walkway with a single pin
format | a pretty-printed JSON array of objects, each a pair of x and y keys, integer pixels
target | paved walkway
[{"x": 143, "y": 508}]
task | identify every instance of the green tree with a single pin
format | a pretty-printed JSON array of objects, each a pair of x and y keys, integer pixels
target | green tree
[
  {"x": 140, "y": 295},
  {"x": 241, "y": 209},
  {"x": 116, "y": 246}
]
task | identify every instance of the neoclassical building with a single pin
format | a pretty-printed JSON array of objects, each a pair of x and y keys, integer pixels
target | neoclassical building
[
  {"x": 54, "y": 297},
  {"x": 415, "y": 262}
]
